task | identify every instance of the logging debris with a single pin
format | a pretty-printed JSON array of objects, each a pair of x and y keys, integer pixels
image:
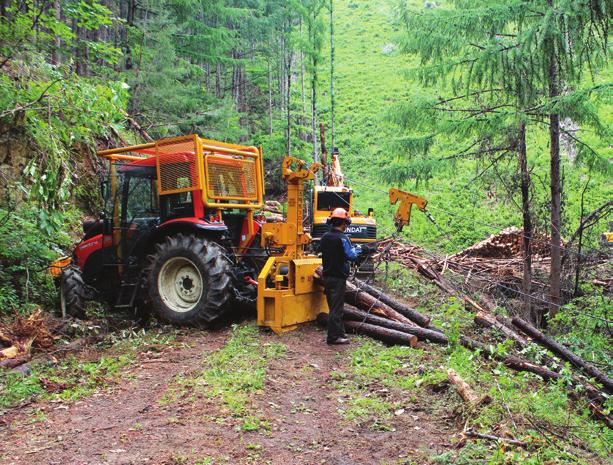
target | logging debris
[
  {"x": 564, "y": 353},
  {"x": 24, "y": 333}
]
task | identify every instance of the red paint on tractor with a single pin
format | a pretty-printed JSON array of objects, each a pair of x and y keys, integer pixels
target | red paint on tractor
[{"x": 86, "y": 248}]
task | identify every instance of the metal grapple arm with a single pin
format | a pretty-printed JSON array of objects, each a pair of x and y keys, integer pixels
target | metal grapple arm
[{"x": 402, "y": 216}]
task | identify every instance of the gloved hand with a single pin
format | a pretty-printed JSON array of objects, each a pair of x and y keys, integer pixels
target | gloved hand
[{"x": 361, "y": 250}]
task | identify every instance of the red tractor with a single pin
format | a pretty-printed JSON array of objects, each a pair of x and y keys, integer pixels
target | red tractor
[{"x": 178, "y": 232}]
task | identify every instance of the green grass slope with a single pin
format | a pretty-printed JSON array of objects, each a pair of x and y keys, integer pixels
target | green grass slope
[{"x": 370, "y": 77}]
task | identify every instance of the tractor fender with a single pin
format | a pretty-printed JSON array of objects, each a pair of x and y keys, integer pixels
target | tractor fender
[{"x": 186, "y": 226}]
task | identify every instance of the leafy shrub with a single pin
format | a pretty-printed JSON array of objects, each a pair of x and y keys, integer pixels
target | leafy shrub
[{"x": 25, "y": 253}]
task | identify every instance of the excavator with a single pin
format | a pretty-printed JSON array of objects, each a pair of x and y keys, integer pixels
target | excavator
[
  {"x": 333, "y": 193},
  {"x": 181, "y": 235}
]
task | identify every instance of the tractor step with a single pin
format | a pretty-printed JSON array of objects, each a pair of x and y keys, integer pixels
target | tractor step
[{"x": 127, "y": 294}]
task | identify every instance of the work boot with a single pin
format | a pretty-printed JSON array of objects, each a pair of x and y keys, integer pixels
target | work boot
[{"x": 339, "y": 341}]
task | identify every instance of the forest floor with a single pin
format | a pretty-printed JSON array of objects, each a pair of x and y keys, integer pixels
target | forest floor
[{"x": 168, "y": 406}]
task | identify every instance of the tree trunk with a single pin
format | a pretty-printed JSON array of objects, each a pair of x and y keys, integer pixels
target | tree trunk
[
  {"x": 564, "y": 353},
  {"x": 527, "y": 238},
  {"x": 580, "y": 244},
  {"x": 207, "y": 76},
  {"x": 269, "y": 98},
  {"x": 288, "y": 89},
  {"x": 304, "y": 109},
  {"x": 332, "y": 125},
  {"x": 218, "y": 76},
  {"x": 130, "y": 22},
  {"x": 376, "y": 332},
  {"x": 314, "y": 111},
  {"x": 555, "y": 184},
  {"x": 55, "y": 53},
  {"x": 364, "y": 300},
  {"x": 487, "y": 320}
]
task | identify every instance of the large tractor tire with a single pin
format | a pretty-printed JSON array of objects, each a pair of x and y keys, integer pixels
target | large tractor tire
[
  {"x": 73, "y": 292},
  {"x": 190, "y": 280}
]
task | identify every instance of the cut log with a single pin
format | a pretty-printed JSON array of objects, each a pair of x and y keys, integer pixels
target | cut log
[
  {"x": 365, "y": 301},
  {"x": 465, "y": 390},
  {"x": 563, "y": 352},
  {"x": 389, "y": 336},
  {"x": 401, "y": 308},
  {"x": 421, "y": 333},
  {"x": 485, "y": 319}
]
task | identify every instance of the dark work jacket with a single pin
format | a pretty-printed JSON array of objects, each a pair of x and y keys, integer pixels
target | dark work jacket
[{"x": 336, "y": 251}]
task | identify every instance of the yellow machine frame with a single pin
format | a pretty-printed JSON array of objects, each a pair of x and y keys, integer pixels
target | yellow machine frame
[
  {"x": 287, "y": 292},
  {"x": 204, "y": 151}
]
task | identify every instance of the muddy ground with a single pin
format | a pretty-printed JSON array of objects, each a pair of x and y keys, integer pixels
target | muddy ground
[{"x": 128, "y": 422}]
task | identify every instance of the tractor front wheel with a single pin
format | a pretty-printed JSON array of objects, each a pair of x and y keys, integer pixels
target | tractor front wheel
[
  {"x": 189, "y": 280},
  {"x": 73, "y": 292}
]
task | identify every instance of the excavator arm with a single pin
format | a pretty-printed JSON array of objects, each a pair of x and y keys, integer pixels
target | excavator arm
[{"x": 402, "y": 216}]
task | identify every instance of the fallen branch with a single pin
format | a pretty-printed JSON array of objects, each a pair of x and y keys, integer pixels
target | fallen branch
[
  {"x": 491, "y": 437},
  {"x": 563, "y": 352}
]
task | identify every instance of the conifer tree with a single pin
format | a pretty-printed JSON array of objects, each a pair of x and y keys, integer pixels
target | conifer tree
[{"x": 500, "y": 65}]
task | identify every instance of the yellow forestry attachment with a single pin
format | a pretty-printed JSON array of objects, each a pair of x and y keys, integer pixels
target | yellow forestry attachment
[
  {"x": 407, "y": 200},
  {"x": 287, "y": 292}
]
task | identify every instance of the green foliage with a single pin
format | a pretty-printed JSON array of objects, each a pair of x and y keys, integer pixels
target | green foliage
[
  {"x": 583, "y": 326},
  {"x": 25, "y": 253}
]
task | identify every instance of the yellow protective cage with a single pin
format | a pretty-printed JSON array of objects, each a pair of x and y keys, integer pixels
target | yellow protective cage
[{"x": 228, "y": 175}]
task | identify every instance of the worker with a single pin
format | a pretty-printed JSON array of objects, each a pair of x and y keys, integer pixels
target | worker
[{"x": 337, "y": 251}]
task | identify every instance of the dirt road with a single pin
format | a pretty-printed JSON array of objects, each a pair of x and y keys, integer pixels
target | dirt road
[{"x": 130, "y": 422}]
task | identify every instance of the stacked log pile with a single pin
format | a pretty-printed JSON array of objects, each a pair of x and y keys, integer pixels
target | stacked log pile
[
  {"x": 495, "y": 262},
  {"x": 273, "y": 211},
  {"x": 508, "y": 243}
]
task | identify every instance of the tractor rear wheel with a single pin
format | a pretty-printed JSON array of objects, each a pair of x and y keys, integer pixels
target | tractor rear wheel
[
  {"x": 190, "y": 280},
  {"x": 73, "y": 292}
]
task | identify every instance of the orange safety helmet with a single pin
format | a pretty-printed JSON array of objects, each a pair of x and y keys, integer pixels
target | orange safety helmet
[{"x": 340, "y": 213}]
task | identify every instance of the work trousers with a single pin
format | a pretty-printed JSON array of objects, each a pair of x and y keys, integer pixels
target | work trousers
[{"x": 335, "y": 295}]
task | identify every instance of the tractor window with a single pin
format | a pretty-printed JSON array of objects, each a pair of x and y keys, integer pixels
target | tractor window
[
  {"x": 331, "y": 200},
  {"x": 142, "y": 198},
  {"x": 180, "y": 205}
]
